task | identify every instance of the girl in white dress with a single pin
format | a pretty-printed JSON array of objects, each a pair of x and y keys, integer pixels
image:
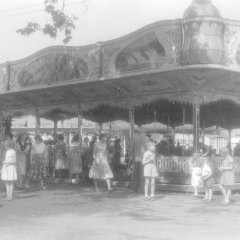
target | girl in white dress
[
  {"x": 196, "y": 175},
  {"x": 9, "y": 170},
  {"x": 150, "y": 170}
]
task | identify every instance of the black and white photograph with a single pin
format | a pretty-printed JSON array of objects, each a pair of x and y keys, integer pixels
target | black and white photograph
[{"x": 120, "y": 120}]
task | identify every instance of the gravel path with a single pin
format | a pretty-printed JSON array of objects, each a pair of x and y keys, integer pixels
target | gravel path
[{"x": 73, "y": 212}]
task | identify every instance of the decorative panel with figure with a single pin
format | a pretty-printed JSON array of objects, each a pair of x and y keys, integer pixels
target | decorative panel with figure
[
  {"x": 3, "y": 78},
  {"x": 52, "y": 68},
  {"x": 142, "y": 54}
]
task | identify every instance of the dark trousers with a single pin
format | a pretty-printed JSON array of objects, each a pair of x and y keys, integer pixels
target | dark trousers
[{"x": 138, "y": 179}]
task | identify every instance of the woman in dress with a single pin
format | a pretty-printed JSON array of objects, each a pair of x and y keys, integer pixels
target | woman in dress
[
  {"x": 100, "y": 168},
  {"x": 75, "y": 160},
  {"x": 9, "y": 169},
  {"x": 60, "y": 156},
  {"x": 21, "y": 159},
  {"x": 39, "y": 161},
  {"x": 227, "y": 174}
]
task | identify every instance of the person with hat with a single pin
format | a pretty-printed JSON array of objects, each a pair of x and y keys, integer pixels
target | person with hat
[
  {"x": 227, "y": 174},
  {"x": 100, "y": 169}
]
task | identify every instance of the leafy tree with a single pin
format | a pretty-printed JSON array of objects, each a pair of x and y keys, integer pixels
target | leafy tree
[{"x": 60, "y": 22}]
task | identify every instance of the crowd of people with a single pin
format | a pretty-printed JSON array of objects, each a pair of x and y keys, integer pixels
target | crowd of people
[{"x": 27, "y": 162}]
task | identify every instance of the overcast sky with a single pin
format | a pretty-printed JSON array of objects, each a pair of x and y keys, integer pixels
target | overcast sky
[{"x": 98, "y": 20}]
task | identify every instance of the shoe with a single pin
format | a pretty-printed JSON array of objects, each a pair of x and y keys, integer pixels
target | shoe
[
  {"x": 43, "y": 188},
  {"x": 146, "y": 198},
  {"x": 4, "y": 199},
  {"x": 226, "y": 201},
  {"x": 111, "y": 190},
  {"x": 152, "y": 198}
]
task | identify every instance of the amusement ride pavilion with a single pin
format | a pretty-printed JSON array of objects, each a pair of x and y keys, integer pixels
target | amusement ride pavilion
[{"x": 189, "y": 65}]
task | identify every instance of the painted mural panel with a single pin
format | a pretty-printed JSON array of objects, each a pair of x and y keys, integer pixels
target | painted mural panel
[
  {"x": 3, "y": 78},
  {"x": 52, "y": 68},
  {"x": 144, "y": 53},
  {"x": 238, "y": 55}
]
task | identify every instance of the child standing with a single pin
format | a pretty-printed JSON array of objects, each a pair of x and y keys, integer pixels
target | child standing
[
  {"x": 9, "y": 172},
  {"x": 207, "y": 179},
  {"x": 196, "y": 175},
  {"x": 150, "y": 170}
]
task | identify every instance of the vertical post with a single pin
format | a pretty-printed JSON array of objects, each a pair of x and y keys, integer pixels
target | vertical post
[
  {"x": 155, "y": 124},
  {"x": 55, "y": 130},
  {"x": 80, "y": 128},
  {"x": 131, "y": 133},
  {"x": 230, "y": 141},
  {"x": 183, "y": 122},
  {"x": 37, "y": 122},
  {"x": 196, "y": 121},
  {"x": 100, "y": 127},
  {"x": 203, "y": 133},
  {"x": 2, "y": 129},
  {"x": 168, "y": 137}
]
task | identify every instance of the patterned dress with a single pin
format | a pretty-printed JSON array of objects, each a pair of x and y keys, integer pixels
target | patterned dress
[
  {"x": 100, "y": 168},
  {"x": 61, "y": 155},
  {"x": 21, "y": 158},
  {"x": 227, "y": 176}
]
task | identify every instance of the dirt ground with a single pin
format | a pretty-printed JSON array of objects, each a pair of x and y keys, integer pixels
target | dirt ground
[{"x": 75, "y": 212}]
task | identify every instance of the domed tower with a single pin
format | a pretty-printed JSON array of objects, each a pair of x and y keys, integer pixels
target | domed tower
[
  {"x": 203, "y": 31},
  {"x": 201, "y": 8}
]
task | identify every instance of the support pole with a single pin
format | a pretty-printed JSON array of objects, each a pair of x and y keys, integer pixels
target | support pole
[
  {"x": 131, "y": 133},
  {"x": 37, "y": 122},
  {"x": 183, "y": 122},
  {"x": 155, "y": 125},
  {"x": 203, "y": 133},
  {"x": 80, "y": 128},
  {"x": 196, "y": 123},
  {"x": 2, "y": 129},
  {"x": 168, "y": 137},
  {"x": 55, "y": 130},
  {"x": 100, "y": 127},
  {"x": 230, "y": 141}
]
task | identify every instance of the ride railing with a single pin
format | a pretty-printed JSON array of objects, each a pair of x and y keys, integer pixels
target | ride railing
[{"x": 176, "y": 170}]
